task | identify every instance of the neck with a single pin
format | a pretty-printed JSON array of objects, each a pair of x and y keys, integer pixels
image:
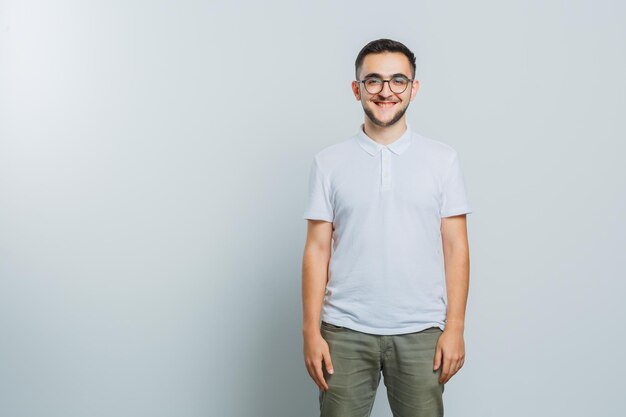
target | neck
[{"x": 385, "y": 135}]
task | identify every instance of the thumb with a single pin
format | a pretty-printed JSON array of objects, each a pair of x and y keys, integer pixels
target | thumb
[
  {"x": 438, "y": 354},
  {"x": 328, "y": 363}
]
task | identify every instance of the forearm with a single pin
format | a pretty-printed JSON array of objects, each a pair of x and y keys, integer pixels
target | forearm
[
  {"x": 314, "y": 278},
  {"x": 457, "y": 283}
]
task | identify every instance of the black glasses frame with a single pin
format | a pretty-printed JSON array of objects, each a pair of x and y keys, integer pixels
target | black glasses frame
[{"x": 382, "y": 86}]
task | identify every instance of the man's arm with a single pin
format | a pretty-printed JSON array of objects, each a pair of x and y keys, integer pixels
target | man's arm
[
  {"x": 456, "y": 259},
  {"x": 317, "y": 252},
  {"x": 451, "y": 346},
  {"x": 315, "y": 262}
]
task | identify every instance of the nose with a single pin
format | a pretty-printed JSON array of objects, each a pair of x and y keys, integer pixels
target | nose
[{"x": 386, "y": 91}]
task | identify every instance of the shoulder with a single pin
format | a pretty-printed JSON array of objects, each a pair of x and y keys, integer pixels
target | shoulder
[
  {"x": 333, "y": 155},
  {"x": 435, "y": 149}
]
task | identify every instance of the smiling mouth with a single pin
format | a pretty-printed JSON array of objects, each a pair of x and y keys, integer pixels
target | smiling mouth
[{"x": 385, "y": 104}]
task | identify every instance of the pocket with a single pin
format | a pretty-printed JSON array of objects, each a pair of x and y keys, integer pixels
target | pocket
[
  {"x": 332, "y": 326},
  {"x": 432, "y": 330}
]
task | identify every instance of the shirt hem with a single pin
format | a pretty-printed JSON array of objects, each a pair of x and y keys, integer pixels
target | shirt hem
[{"x": 385, "y": 331}]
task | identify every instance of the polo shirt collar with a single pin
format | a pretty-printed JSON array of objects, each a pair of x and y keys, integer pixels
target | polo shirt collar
[{"x": 372, "y": 147}]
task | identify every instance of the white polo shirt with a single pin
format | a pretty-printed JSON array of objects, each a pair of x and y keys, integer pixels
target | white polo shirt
[{"x": 386, "y": 273}]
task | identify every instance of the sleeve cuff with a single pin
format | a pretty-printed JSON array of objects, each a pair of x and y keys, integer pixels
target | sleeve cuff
[
  {"x": 457, "y": 211},
  {"x": 317, "y": 216}
]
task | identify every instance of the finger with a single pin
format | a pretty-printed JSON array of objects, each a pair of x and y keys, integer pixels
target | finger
[
  {"x": 320, "y": 375},
  {"x": 316, "y": 378},
  {"x": 454, "y": 367},
  {"x": 311, "y": 370},
  {"x": 460, "y": 365},
  {"x": 443, "y": 362},
  {"x": 437, "y": 358},
  {"x": 328, "y": 362},
  {"x": 454, "y": 363},
  {"x": 446, "y": 370},
  {"x": 457, "y": 366}
]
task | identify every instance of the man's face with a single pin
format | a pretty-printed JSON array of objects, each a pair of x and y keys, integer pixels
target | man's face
[{"x": 386, "y": 107}]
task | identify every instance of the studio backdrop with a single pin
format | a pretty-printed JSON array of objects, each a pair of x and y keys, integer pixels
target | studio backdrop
[{"x": 154, "y": 161}]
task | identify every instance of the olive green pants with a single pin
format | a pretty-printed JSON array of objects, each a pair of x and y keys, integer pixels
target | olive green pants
[{"x": 406, "y": 362}]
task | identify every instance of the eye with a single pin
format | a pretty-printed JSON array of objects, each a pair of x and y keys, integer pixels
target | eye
[
  {"x": 400, "y": 81},
  {"x": 373, "y": 81}
]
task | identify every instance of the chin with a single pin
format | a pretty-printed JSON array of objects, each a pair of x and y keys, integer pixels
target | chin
[
  {"x": 381, "y": 123},
  {"x": 384, "y": 123}
]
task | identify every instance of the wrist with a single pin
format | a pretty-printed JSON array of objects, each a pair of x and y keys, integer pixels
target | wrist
[
  {"x": 458, "y": 325},
  {"x": 310, "y": 328}
]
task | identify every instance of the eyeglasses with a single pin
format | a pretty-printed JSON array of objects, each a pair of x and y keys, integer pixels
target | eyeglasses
[{"x": 375, "y": 85}]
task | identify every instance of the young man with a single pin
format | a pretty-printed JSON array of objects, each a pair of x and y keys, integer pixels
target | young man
[{"x": 393, "y": 203}]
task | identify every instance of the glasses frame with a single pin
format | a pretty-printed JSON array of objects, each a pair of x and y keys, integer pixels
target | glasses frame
[{"x": 382, "y": 86}]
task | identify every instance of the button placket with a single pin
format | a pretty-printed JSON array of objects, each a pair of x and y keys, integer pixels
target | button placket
[{"x": 385, "y": 168}]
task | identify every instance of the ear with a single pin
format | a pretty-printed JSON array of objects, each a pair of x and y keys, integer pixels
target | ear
[
  {"x": 414, "y": 88},
  {"x": 355, "y": 90}
]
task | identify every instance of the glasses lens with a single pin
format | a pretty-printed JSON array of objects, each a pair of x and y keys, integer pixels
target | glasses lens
[
  {"x": 373, "y": 85},
  {"x": 398, "y": 84}
]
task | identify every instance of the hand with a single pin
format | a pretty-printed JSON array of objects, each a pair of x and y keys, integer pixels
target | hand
[
  {"x": 450, "y": 348},
  {"x": 315, "y": 350}
]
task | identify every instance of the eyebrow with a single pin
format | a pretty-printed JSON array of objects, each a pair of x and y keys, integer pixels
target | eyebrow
[{"x": 375, "y": 74}]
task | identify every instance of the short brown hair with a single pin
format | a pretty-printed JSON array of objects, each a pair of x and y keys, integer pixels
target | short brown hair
[{"x": 383, "y": 45}]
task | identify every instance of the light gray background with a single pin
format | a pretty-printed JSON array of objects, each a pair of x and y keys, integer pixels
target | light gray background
[{"x": 153, "y": 170}]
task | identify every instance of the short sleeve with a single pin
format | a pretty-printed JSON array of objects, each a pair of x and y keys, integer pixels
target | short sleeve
[
  {"x": 319, "y": 206},
  {"x": 454, "y": 196}
]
